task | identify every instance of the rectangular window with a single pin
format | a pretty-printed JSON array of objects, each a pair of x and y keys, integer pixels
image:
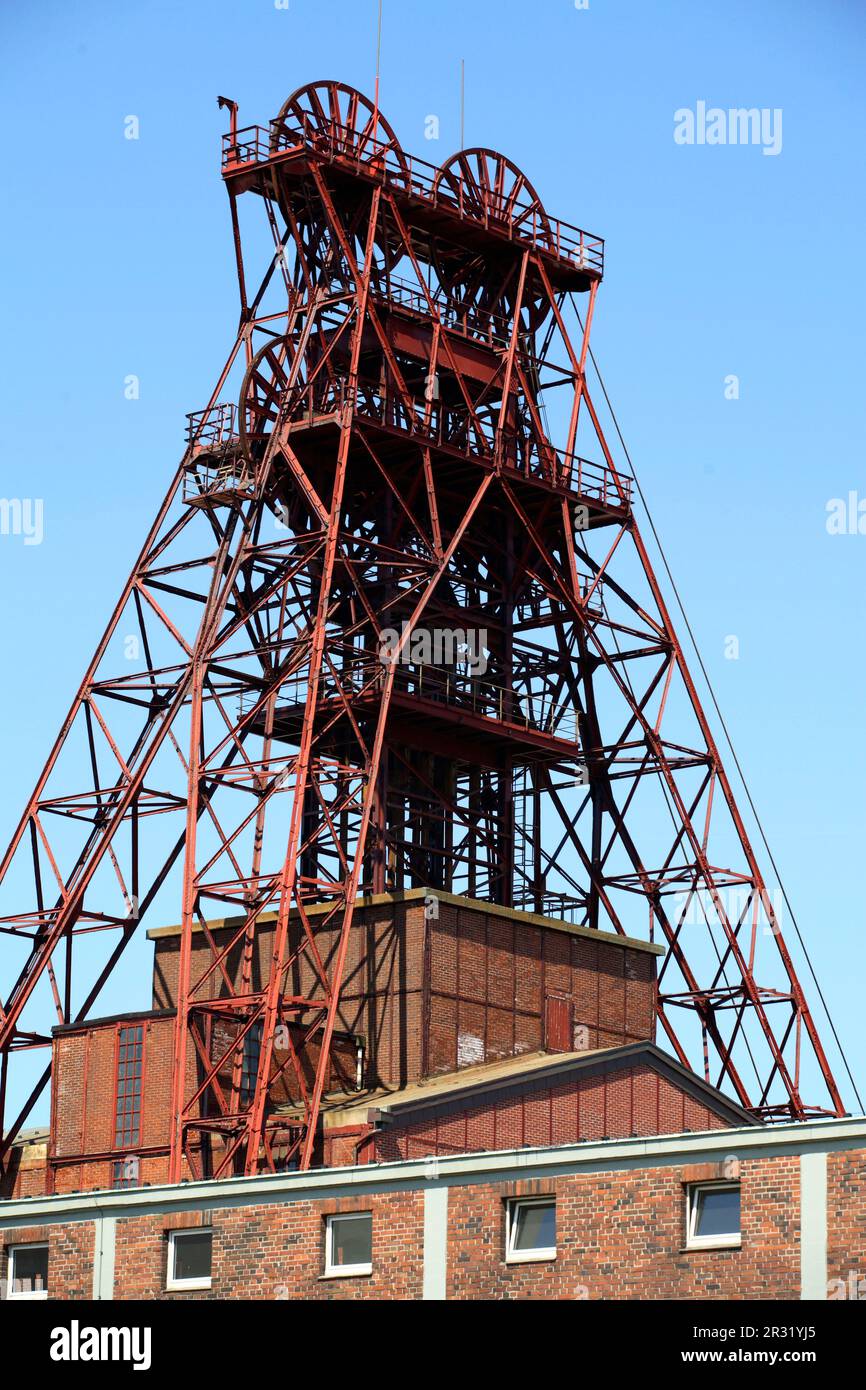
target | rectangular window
[
  {"x": 127, "y": 1125},
  {"x": 349, "y": 1244},
  {"x": 190, "y": 1254},
  {"x": 28, "y": 1271},
  {"x": 713, "y": 1215},
  {"x": 530, "y": 1232},
  {"x": 125, "y": 1172},
  {"x": 252, "y": 1046}
]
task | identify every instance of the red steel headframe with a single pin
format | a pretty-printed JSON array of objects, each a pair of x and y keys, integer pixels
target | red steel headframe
[{"x": 389, "y": 469}]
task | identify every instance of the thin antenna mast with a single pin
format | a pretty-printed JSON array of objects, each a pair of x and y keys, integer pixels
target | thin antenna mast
[{"x": 378, "y": 70}]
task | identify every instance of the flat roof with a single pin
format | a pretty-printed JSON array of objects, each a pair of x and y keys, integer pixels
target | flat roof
[
  {"x": 408, "y": 895},
  {"x": 85, "y": 1025}
]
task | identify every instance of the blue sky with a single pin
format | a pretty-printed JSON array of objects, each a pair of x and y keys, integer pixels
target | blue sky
[{"x": 720, "y": 261}]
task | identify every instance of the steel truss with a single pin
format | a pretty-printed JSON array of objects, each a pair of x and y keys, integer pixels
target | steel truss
[{"x": 390, "y": 468}]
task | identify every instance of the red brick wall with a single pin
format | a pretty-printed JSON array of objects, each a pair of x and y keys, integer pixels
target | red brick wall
[
  {"x": 621, "y": 1235},
  {"x": 285, "y": 1087},
  {"x": 85, "y": 1087},
  {"x": 382, "y": 987},
  {"x": 846, "y": 1217},
  {"x": 70, "y": 1261},
  {"x": 25, "y": 1174},
  {"x": 426, "y": 996},
  {"x": 414, "y": 988},
  {"x": 98, "y": 1174},
  {"x": 633, "y": 1101},
  {"x": 276, "y": 1252},
  {"x": 70, "y": 1256},
  {"x": 490, "y": 976}
]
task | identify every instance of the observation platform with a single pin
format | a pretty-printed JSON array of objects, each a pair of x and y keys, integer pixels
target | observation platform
[{"x": 446, "y": 711}]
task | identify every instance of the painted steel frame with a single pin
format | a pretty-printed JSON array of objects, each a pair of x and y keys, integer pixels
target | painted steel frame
[{"x": 468, "y": 483}]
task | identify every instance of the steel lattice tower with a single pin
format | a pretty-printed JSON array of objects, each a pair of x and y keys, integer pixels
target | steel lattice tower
[{"x": 390, "y": 466}]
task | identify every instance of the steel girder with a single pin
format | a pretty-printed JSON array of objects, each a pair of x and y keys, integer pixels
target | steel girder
[{"x": 399, "y": 358}]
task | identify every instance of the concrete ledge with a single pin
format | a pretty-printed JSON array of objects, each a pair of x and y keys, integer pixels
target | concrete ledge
[
  {"x": 411, "y": 895},
  {"x": 512, "y": 1165}
]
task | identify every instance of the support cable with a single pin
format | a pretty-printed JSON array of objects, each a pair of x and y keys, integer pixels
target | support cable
[{"x": 721, "y": 717}]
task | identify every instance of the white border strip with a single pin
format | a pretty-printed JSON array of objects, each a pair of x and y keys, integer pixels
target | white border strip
[
  {"x": 813, "y": 1226},
  {"x": 435, "y": 1243},
  {"x": 820, "y": 1136},
  {"x": 104, "y": 1236}
]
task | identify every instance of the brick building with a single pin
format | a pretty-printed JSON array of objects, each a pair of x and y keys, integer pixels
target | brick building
[
  {"x": 619, "y": 1219},
  {"x": 500, "y": 1124},
  {"x": 429, "y": 993},
  {"x": 451, "y": 1097}
]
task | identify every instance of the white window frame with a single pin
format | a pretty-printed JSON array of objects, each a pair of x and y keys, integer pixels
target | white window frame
[
  {"x": 727, "y": 1241},
  {"x": 540, "y": 1252},
  {"x": 171, "y": 1283},
  {"x": 22, "y": 1295},
  {"x": 335, "y": 1271}
]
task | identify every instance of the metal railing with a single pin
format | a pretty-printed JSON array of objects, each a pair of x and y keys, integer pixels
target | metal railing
[
  {"x": 522, "y": 706},
  {"x": 533, "y": 710},
  {"x": 520, "y": 221},
  {"x": 210, "y": 429},
  {"x": 538, "y": 610},
  {"x": 229, "y": 477},
  {"x": 436, "y": 423},
  {"x": 465, "y": 319},
  {"x": 474, "y": 436},
  {"x": 561, "y": 907}
]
